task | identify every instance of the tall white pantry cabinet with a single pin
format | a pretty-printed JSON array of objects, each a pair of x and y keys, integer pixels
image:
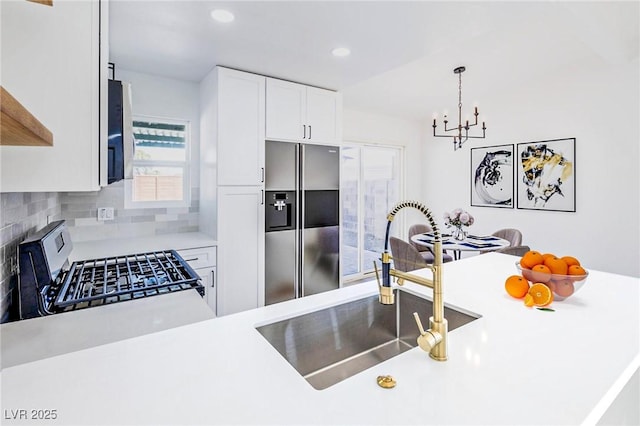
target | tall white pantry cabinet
[
  {"x": 232, "y": 178},
  {"x": 236, "y": 111}
]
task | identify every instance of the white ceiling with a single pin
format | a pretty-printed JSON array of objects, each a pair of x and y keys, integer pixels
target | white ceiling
[{"x": 403, "y": 53}]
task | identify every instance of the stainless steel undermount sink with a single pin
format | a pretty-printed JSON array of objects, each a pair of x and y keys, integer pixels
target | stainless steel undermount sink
[{"x": 335, "y": 343}]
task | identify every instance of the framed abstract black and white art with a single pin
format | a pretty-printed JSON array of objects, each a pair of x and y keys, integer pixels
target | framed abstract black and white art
[
  {"x": 492, "y": 176},
  {"x": 546, "y": 175}
]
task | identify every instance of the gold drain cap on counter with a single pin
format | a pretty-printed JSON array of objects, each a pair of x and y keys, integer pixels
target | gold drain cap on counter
[{"x": 386, "y": 382}]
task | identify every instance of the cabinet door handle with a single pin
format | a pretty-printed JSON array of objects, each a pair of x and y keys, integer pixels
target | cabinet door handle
[
  {"x": 213, "y": 279},
  {"x": 304, "y": 131},
  {"x": 309, "y": 131},
  {"x": 262, "y": 174},
  {"x": 262, "y": 197},
  {"x": 192, "y": 260}
]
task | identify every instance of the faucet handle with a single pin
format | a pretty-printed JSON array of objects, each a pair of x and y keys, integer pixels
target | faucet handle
[
  {"x": 419, "y": 323},
  {"x": 427, "y": 339}
]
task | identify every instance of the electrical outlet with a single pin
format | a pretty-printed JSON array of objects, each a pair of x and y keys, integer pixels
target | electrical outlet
[{"x": 105, "y": 213}]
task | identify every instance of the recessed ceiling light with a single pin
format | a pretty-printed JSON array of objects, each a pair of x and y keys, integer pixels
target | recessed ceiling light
[
  {"x": 222, "y": 15},
  {"x": 341, "y": 51}
]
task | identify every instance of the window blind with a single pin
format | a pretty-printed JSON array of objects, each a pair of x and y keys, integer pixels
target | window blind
[{"x": 161, "y": 135}]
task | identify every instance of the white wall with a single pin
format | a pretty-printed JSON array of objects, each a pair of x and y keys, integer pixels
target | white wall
[
  {"x": 371, "y": 128},
  {"x": 167, "y": 98},
  {"x": 599, "y": 106}
]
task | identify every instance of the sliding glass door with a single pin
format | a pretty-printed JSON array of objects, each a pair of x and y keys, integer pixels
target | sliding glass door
[{"x": 371, "y": 185}]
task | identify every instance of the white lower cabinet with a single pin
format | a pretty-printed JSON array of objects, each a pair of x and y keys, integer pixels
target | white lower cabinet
[
  {"x": 241, "y": 241},
  {"x": 208, "y": 276},
  {"x": 203, "y": 260}
]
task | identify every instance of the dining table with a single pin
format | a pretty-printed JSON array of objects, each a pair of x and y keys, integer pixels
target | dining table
[{"x": 471, "y": 243}]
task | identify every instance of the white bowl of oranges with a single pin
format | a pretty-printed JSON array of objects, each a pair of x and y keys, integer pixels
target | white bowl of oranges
[{"x": 562, "y": 276}]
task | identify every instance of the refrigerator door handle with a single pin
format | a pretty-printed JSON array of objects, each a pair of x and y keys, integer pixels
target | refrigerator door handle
[
  {"x": 300, "y": 149},
  {"x": 297, "y": 281}
]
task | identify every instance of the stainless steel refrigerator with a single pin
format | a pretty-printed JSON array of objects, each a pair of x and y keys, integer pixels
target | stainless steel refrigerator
[{"x": 302, "y": 239}]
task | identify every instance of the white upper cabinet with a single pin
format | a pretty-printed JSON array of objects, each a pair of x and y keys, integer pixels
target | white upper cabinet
[
  {"x": 324, "y": 109},
  {"x": 54, "y": 62},
  {"x": 286, "y": 110},
  {"x": 240, "y": 128},
  {"x": 300, "y": 113}
]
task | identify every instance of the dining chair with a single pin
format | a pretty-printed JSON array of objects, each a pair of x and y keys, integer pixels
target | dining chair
[
  {"x": 510, "y": 234},
  {"x": 514, "y": 236},
  {"x": 421, "y": 228},
  {"x": 405, "y": 256},
  {"x": 514, "y": 250}
]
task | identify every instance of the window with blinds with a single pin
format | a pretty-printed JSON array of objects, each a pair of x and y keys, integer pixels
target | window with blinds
[{"x": 160, "y": 163}]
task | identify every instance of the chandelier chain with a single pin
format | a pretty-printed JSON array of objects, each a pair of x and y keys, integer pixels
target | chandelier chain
[{"x": 460, "y": 90}]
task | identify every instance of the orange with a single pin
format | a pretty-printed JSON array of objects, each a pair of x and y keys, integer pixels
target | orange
[
  {"x": 564, "y": 288},
  {"x": 570, "y": 260},
  {"x": 541, "y": 294},
  {"x": 576, "y": 270},
  {"x": 528, "y": 300},
  {"x": 531, "y": 259},
  {"x": 540, "y": 274},
  {"x": 556, "y": 265},
  {"x": 544, "y": 256},
  {"x": 516, "y": 286}
]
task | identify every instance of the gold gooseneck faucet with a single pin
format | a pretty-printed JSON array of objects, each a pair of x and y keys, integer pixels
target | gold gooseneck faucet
[{"x": 433, "y": 340}]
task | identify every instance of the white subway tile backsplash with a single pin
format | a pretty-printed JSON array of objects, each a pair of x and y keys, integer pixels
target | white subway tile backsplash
[
  {"x": 82, "y": 209},
  {"x": 138, "y": 219},
  {"x": 127, "y": 219},
  {"x": 178, "y": 210},
  {"x": 166, "y": 217},
  {"x": 90, "y": 233},
  {"x": 5, "y": 232},
  {"x": 79, "y": 214},
  {"x": 178, "y": 229},
  {"x": 140, "y": 229},
  {"x": 139, "y": 212},
  {"x": 86, "y": 221}
]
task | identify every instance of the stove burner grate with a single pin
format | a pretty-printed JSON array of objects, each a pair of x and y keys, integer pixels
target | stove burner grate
[{"x": 120, "y": 278}]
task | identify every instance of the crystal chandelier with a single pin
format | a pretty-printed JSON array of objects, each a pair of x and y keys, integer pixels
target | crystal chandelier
[{"x": 461, "y": 137}]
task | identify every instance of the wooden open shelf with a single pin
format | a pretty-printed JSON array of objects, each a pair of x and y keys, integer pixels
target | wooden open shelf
[
  {"x": 45, "y": 2},
  {"x": 18, "y": 126}
]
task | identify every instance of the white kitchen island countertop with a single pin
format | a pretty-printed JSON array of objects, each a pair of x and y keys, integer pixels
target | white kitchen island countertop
[
  {"x": 514, "y": 365},
  {"x": 43, "y": 337}
]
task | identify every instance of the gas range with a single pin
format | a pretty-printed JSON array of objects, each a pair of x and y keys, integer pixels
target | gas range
[{"x": 49, "y": 285}]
